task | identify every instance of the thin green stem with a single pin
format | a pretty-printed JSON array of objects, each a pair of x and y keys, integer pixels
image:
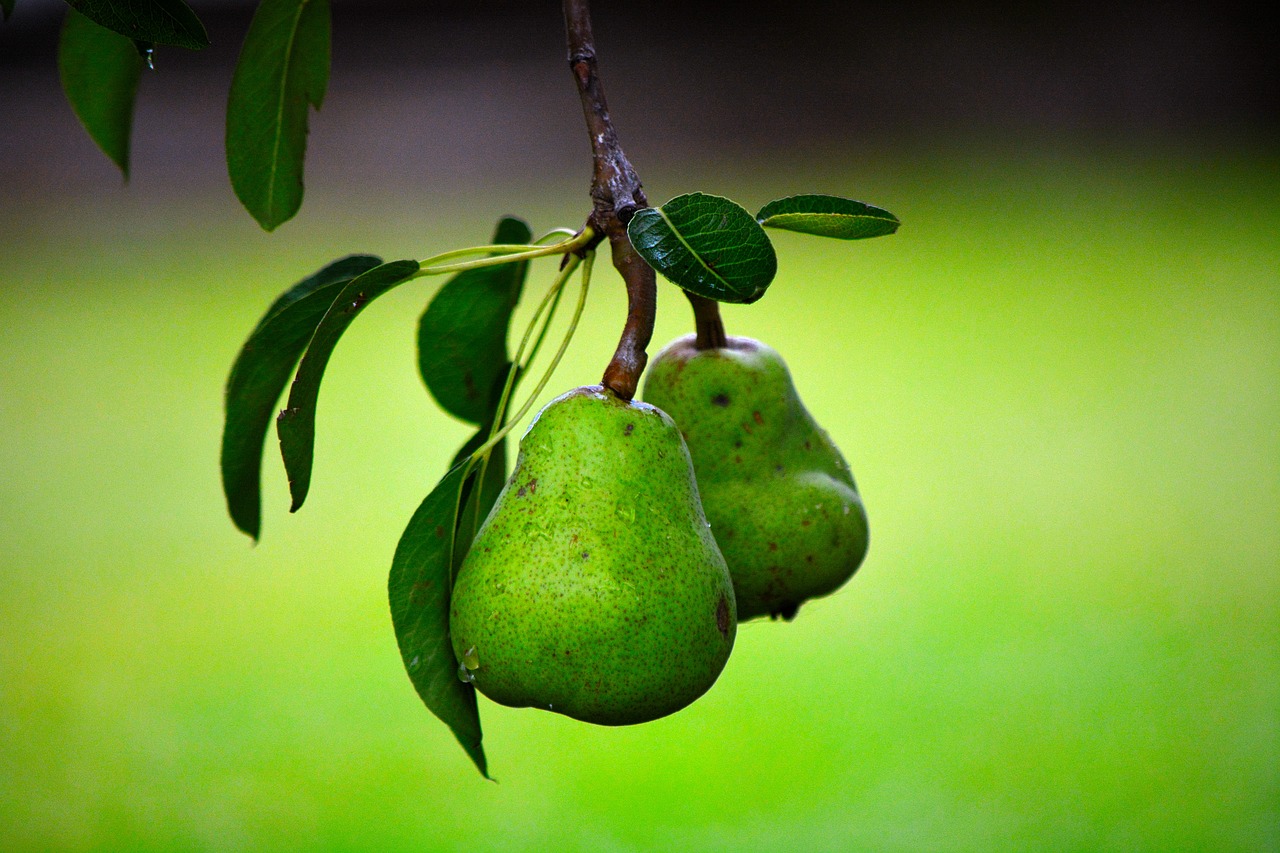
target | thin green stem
[
  {"x": 478, "y": 491},
  {"x": 501, "y": 253},
  {"x": 549, "y": 303},
  {"x": 552, "y": 299},
  {"x": 554, "y": 232},
  {"x": 542, "y": 333},
  {"x": 555, "y": 361}
]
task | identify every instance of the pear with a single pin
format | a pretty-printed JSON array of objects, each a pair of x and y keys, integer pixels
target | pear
[
  {"x": 594, "y": 588},
  {"x": 781, "y": 500}
]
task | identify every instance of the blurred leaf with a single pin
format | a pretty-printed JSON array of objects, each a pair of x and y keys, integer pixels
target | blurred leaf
[
  {"x": 707, "y": 245},
  {"x": 296, "y": 425},
  {"x": 462, "y": 337},
  {"x": 828, "y": 216},
  {"x": 419, "y": 589},
  {"x": 161, "y": 21},
  {"x": 100, "y": 71},
  {"x": 283, "y": 68},
  {"x": 259, "y": 375},
  {"x": 6, "y": 6}
]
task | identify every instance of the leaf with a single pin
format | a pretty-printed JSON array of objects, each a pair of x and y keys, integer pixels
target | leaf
[
  {"x": 481, "y": 500},
  {"x": 259, "y": 375},
  {"x": 462, "y": 336},
  {"x": 6, "y": 6},
  {"x": 100, "y": 70},
  {"x": 283, "y": 68},
  {"x": 828, "y": 216},
  {"x": 161, "y": 21},
  {"x": 476, "y": 502},
  {"x": 419, "y": 589},
  {"x": 296, "y": 425},
  {"x": 707, "y": 245}
]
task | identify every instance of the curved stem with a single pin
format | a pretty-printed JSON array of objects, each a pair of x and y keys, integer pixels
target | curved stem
[
  {"x": 546, "y": 324},
  {"x": 503, "y": 253},
  {"x": 551, "y": 368},
  {"x": 622, "y": 375},
  {"x": 556, "y": 232},
  {"x": 616, "y": 195},
  {"x": 550, "y": 301}
]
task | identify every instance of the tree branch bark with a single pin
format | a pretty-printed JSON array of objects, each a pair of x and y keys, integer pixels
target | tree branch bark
[{"x": 616, "y": 195}]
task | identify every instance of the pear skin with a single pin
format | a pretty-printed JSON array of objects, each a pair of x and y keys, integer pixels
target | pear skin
[
  {"x": 595, "y": 588},
  {"x": 782, "y": 502}
]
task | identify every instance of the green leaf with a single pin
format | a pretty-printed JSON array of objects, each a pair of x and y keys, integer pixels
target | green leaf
[
  {"x": 707, "y": 245},
  {"x": 160, "y": 21},
  {"x": 259, "y": 375},
  {"x": 476, "y": 502},
  {"x": 6, "y": 6},
  {"x": 100, "y": 71},
  {"x": 828, "y": 216},
  {"x": 296, "y": 425},
  {"x": 482, "y": 499},
  {"x": 283, "y": 68},
  {"x": 462, "y": 336},
  {"x": 419, "y": 589}
]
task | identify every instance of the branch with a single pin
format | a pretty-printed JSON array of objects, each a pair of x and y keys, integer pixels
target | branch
[{"x": 616, "y": 195}]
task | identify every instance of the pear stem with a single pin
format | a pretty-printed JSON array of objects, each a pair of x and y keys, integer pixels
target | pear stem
[
  {"x": 616, "y": 194},
  {"x": 707, "y": 322},
  {"x": 499, "y": 435}
]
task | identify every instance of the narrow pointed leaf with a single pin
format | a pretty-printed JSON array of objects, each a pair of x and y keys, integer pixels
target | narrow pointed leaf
[
  {"x": 419, "y": 590},
  {"x": 282, "y": 70},
  {"x": 828, "y": 216},
  {"x": 258, "y": 378},
  {"x": 462, "y": 336},
  {"x": 483, "y": 489},
  {"x": 480, "y": 499},
  {"x": 296, "y": 425},
  {"x": 161, "y": 21},
  {"x": 100, "y": 70},
  {"x": 707, "y": 245}
]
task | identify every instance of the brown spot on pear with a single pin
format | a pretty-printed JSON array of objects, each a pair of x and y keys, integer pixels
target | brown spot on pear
[
  {"x": 616, "y": 561},
  {"x": 765, "y": 467}
]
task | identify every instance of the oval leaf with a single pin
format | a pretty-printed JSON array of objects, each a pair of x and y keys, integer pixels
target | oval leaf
[
  {"x": 419, "y": 589},
  {"x": 296, "y": 425},
  {"x": 283, "y": 68},
  {"x": 159, "y": 21},
  {"x": 828, "y": 216},
  {"x": 707, "y": 245},
  {"x": 100, "y": 70},
  {"x": 462, "y": 336},
  {"x": 259, "y": 375}
]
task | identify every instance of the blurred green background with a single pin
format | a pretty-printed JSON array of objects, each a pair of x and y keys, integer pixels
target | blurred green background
[{"x": 1057, "y": 386}]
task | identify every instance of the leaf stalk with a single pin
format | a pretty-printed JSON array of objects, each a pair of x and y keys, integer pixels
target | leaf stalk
[{"x": 502, "y": 253}]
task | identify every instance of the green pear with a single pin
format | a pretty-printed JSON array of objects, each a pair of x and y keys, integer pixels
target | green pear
[
  {"x": 595, "y": 588},
  {"x": 781, "y": 500}
]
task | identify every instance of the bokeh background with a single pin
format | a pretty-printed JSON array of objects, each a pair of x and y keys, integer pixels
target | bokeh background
[{"x": 1057, "y": 386}]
